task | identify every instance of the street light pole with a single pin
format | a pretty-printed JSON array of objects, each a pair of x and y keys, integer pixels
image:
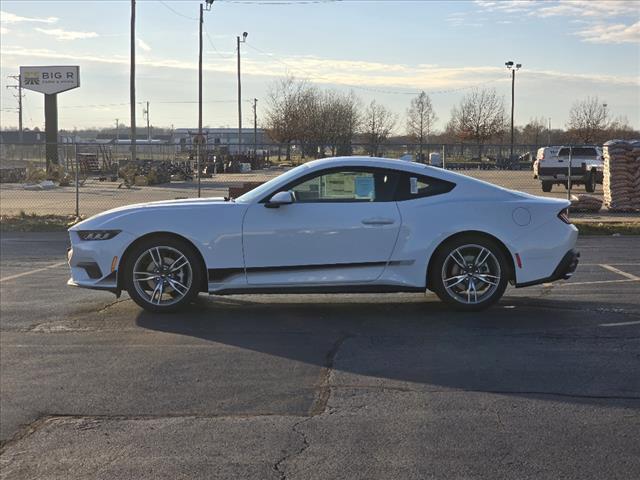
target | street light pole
[
  {"x": 199, "y": 142},
  {"x": 513, "y": 69},
  {"x": 132, "y": 81},
  {"x": 200, "y": 136},
  {"x": 244, "y": 39}
]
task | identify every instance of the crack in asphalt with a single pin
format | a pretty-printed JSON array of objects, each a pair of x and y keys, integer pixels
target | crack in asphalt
[
  {"x": 109, "y": 305},
  {"x": 94, "y": 420},
  {"x": 324, "y": 385},
  {"x": 278, "y": 465},
  {"x": 319, "y": 406}
]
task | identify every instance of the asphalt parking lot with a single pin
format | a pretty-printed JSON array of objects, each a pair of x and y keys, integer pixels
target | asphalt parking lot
[{"x": 545, "y": 385}]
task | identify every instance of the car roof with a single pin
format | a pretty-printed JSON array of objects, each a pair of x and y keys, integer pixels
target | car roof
[{"x": 374, "y": 162}]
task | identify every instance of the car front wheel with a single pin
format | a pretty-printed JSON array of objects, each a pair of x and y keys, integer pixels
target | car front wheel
[
  {"x": 163, "y": 274},
  {"x": 470, "y": 273}
]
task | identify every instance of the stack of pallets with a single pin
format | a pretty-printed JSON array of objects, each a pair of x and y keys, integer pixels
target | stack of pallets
[{"x": 621, "y": 182}]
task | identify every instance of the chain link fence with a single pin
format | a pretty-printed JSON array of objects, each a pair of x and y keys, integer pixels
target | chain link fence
[{"x": 86, "y": 179}]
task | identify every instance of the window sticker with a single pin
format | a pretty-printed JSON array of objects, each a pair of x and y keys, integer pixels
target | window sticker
[
  {"x": 413, "y": 181},
  {"x": 364, "y": 186}
]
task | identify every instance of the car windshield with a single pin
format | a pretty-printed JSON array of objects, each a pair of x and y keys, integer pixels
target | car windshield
[{"x": 258, "y": 192}]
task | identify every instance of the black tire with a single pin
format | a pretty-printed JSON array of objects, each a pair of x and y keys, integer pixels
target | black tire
[
  {"x": 590, "y": 183},
  {"x": 439, "y": 271},
  {"x": 170, "y": 248},
  {"x": 546, "y": 186}
]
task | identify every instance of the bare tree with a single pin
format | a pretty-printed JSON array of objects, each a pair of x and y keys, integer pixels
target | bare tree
[
  {"x": 420, "y": 120},
  {"x": 344, "y": 121},
  {"x": 283, "y": 117},
  {"x": 588, "y": 120},
  {"x": 532, "y": 131},
  {"x": 621, "y": 129},
  {"x": 377, "y": 124},
  {"x": 479, "y": 116}
]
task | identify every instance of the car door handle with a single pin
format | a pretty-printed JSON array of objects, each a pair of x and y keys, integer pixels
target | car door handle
[{"x": 378, "y": 221}]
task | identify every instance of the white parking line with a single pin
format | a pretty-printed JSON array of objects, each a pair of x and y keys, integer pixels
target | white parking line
[
  {"x": 595, "y": 282},
  {"x": 621, "y": 324},
  {"x": 615, "y": 263},
  {"x": 619, "y": 272},
  {"x": 31, "y": 272}
]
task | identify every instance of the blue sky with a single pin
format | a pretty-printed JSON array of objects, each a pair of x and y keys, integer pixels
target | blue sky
[{"x": 387, "y": 50}]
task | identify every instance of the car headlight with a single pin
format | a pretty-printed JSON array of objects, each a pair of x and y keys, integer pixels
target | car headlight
[{"x": 97, "y": 234}]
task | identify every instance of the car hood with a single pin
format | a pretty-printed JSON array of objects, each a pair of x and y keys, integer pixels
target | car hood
[{"x": 106, "y": 218}]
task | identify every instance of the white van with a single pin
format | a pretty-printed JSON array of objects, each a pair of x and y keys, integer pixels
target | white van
[{"x": 552, "y": 166}]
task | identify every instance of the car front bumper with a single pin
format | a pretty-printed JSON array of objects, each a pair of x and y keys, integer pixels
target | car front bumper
[{"x": 94, "y": 264}]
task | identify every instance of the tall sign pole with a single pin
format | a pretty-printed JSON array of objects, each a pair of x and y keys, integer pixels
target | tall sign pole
[
  {"x": 50, "y": 80},
  {"x": 132, "y": 82}
]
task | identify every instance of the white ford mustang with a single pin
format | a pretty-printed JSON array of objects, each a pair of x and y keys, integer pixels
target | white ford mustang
[{"x": 349, "y": 224}]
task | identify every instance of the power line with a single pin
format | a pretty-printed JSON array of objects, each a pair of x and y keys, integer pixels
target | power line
[
  {"x": 226, "y": 57},
  {"x": 177, "y": 12}
]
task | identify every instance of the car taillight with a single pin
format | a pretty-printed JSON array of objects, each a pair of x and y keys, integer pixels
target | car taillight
[{"x": 564, "y": 216}]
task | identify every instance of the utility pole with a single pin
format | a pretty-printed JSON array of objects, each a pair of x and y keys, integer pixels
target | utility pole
[
  {"x": 132, "y": 82},
  {"x": 117, "y": 129},
  {"x": 255, "y": 128},
  {"x": 145, "y": 113},
  {"x": 244, "y": 39},
  {"x": 549, "y": 134},
  {"x": 200, "y": 136},
  {"x": 513, "y": 69},
  {"x": 18, "y": 87}
]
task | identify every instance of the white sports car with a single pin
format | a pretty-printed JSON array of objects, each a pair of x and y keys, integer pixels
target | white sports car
[{"x": 349, "y": 224}]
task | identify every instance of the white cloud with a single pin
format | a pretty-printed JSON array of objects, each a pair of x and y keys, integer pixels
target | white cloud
[
  {"x": 342, "y": 72},
  {"x": 6, "y": 18},
  {"x": 143, "y": 45},
  {"x": 610, "y": 21},
  {"x": 61, "y": 34},
  {"x": 611, "y": 33},
  {"x": 589, "y": 8}
]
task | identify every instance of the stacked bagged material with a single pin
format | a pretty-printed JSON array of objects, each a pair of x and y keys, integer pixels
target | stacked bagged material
[
  {"x": 621, "y": 182},
  {"x": 585, "y": 203}
]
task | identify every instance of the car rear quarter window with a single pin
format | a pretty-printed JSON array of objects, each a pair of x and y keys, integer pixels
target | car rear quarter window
[
  {"x": 412, "y": 186},
  {"x": 579, "y": 152}
]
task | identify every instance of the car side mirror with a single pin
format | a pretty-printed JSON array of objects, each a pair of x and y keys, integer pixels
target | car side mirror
[{"x": 280, "y": 198}]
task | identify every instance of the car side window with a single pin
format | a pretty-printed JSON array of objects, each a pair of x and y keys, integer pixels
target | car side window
[
  {"x": 412, "y": 186},
  {"x": 346, "y": 186}
]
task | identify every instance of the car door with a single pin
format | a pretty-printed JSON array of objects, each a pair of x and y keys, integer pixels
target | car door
[{"x": 341, "y": 229}]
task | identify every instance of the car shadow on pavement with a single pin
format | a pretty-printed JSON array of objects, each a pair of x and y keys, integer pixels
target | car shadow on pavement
[{"x": 539, "y": 348}]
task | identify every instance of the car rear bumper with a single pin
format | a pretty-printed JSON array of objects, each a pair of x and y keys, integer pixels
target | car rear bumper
[{"x": 563, "y": 271}]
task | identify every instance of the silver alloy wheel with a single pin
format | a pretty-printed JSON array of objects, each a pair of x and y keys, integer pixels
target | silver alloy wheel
[
  {"x": 471, "y": 274},
  {"x": 162, "y": 275}
]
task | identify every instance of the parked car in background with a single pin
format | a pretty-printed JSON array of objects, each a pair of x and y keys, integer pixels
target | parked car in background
[{"x": 552, "y": 166}]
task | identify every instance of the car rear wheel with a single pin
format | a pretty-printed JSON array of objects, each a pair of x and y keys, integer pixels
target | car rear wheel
[
  {"x": 470, "y": 273},
  {"x": 546, "y": 186},
  {"x": 163, "y": 274}
]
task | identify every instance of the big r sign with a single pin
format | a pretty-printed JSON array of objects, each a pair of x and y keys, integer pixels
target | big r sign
[{"x": 50, "y": 80}]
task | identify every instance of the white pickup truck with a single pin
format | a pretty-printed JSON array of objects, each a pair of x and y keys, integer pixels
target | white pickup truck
[{"x": 552, "y": 166}]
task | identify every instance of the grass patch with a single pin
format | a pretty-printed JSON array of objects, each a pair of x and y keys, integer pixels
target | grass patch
[
  {"x": 607, "y": 228},
  {"x": 31, "y": 222}
]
